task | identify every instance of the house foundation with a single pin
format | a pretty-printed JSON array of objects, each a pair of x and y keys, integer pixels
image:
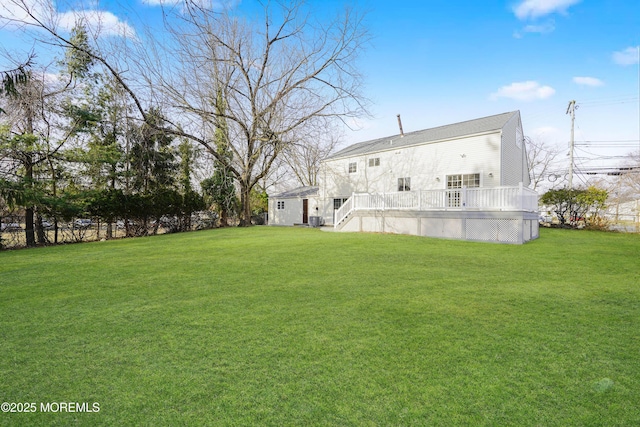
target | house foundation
[{"x": 482, "y": 226}]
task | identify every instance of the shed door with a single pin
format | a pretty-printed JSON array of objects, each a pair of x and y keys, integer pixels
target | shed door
[{"x": 305, "y": 211}]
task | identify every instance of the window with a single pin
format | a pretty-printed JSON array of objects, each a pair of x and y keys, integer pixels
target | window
[
  {"x": 281, "y": 205},
  {"x": 353, "y": 167},
  {"x": 374, "y": 162},
  {"x": 404, "y": 184},
  {"x": 459, "y": 181},
  {"x": 338, "y": 202}
]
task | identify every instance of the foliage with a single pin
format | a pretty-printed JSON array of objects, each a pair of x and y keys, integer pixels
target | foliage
[
  {"x": 79, "y": 61},
  {"x": 153, "y": 160},
  {"x": 220, "y": 189},
  {"x": 576, "y": 205},
  {"x": 12, "y": 192},
  {"x": 12, "y": 79},
  {"x": 592, "y": 202},
  {"x": 259, "y": 204},
  {"x": 326, "y": 333}
]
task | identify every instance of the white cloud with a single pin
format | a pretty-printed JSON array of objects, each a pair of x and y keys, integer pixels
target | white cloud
[
  {"x": 531, "y": 9},
  {"x": 101, "y": 23},
  {"x": 544, "y": 28},
  {"x": 629, "y": 56},
  {"x": 523, "y": 91},
  {"x": 13, "y": 15},
  {"x": 588, "y": 81},
  {"x": 51, "y": 78},
  {"x": 212, "y": 4}
]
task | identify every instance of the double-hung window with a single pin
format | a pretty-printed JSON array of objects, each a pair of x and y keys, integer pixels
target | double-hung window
[
  {"x": 404, "y": 184},
  {"x": 353, "y": 167},
  {"x": 280, "y": 204},
  {"x": 374, "y": 161},
  {"x": 338, "y": 202}
]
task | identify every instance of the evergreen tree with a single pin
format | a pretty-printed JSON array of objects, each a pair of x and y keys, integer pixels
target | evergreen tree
[{"x": 220, "y": 188}]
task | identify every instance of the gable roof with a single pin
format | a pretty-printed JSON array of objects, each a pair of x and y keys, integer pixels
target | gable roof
[
  {"x": 298, "y": 192},
  {"x": 456, "y": 130}
]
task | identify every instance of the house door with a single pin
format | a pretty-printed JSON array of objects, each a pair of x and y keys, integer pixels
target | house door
[
  {"x": 455, "y": 182},
  {"x": 305, "y": 211}
]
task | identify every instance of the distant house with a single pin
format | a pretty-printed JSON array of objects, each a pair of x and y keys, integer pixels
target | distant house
[
  {"x": 626, "y": 211},
  {"x": 462, "y": 181}
]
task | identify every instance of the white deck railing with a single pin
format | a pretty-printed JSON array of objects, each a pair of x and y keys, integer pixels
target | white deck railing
[{"x": 496, "y": 198}]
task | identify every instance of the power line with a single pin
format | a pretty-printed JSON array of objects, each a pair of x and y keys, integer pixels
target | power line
[
  {"x": 617, "y": 98},
  {"x": 611, "y": 140}
]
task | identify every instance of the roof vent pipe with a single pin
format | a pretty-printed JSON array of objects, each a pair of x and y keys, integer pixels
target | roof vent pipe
[{"x": 400, "y": 126}]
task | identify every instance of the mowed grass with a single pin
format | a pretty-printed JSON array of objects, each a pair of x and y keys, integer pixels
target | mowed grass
[{"x": 283, "y": 326}]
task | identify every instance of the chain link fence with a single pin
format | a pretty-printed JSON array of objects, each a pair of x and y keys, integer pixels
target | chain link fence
[{"x": 50, "y": 232}]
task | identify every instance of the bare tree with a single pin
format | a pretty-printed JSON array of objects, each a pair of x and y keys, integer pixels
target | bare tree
[
  {"x": 278, "y": 75},
  {"x": 303, "y": 157},
  {"x": 630, "y": 176},
  {"x": 540, "y": 158}
]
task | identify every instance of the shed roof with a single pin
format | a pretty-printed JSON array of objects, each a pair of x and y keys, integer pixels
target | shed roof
[
  {"x": 298, "y": 192},
  {"x": 456, "y": 130}
]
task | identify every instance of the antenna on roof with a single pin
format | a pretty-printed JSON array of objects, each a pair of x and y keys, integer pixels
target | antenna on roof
[{"x": 400, "y": 126}]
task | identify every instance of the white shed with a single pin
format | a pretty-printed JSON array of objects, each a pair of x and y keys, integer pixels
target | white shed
[{"x": 293, "y": 207}]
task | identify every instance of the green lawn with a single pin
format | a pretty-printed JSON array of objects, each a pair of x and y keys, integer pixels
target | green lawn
[{"x": 283, "y": 326}]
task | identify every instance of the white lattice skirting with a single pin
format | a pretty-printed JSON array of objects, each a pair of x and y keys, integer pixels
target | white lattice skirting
[{"x": 482, "y": 226}]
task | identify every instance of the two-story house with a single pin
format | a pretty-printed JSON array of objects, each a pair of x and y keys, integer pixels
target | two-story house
[{"x": 463, "y": 181}]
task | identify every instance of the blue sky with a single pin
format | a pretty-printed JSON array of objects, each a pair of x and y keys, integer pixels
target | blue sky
[{"x": 438, "y": 62}]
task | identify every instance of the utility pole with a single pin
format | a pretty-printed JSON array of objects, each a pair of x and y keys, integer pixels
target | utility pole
[{"x": 571, "y": 109}]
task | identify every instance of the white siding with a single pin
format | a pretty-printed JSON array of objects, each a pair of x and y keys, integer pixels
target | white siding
[
  {"x": 514, "y": 157},
  {"x": 495, "y": 155},
  {"x": 427, "y": 165},
  {"x": 291, "y": 214}
]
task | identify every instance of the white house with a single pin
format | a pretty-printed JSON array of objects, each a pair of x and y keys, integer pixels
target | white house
[
  {"x": 463, "y": 181},
  {"x": 626, "y": 211}
]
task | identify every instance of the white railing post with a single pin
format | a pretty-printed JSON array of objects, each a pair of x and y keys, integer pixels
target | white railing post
[
  {"x": 521, "y": 195},
  {"x": 463, "y": 202},
  {"x": 502, "y": 198}
]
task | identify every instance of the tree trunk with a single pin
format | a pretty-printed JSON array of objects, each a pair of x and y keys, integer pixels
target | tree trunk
[
  {"x": 245, "y": 214},
  {"x": 28, "y": 227},
  {"x": 40, "y": 234},
  {"x": 29, "y": 211}
]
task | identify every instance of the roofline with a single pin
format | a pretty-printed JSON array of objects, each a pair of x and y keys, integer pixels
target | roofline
[
  {"x": 437, "y": 141},
  {"x": 398, "y": 136}
]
